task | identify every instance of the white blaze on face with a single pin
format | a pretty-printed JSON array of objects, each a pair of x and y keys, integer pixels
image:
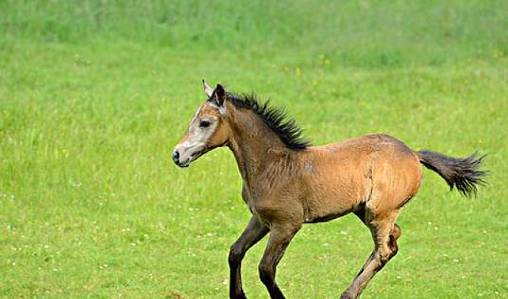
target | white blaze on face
[{"x": 199, "y": 132}]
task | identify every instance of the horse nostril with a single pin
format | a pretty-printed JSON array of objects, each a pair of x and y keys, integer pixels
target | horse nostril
[{"x": 176, "y": 156}]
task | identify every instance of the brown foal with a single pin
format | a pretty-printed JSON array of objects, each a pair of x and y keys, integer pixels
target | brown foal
[{"x": 287, "y": 182}]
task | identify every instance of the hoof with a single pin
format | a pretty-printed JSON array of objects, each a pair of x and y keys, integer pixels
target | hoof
[{"x": 347, "y": 295}]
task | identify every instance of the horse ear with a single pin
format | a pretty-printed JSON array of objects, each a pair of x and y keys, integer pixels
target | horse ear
[
  {"x": 218, "y": 95},
  {"x": 208, "y": 90}
]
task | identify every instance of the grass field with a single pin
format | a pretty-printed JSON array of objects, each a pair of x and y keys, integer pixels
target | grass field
[{"x": 95, "y": 94}]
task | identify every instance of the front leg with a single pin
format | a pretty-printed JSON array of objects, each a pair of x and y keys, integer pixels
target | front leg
[
  {"x": 254, "y": 232},
  {"x": 280, "y": 236}
]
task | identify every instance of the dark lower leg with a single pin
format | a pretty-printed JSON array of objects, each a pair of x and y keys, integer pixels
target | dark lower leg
[
  {"x": 279, "y": 240},
  {"x": 254, "y": 232}
]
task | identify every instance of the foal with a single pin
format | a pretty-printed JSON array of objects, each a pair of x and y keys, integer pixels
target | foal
[{"x": 287, "y": 182}]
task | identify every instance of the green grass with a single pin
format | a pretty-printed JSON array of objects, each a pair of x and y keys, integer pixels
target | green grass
[{"x": 95, "y": 94}]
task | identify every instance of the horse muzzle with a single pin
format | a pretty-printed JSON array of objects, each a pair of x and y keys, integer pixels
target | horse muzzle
[{"x": 183, "y": 159}]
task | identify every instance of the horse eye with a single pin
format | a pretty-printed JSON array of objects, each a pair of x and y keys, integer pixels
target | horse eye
[{"x": 204, "y": 124}]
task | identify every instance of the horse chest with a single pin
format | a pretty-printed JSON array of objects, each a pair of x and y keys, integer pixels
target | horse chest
[
  {"x": 247, "y": 197},
  {"x": 256, "y": 202}
]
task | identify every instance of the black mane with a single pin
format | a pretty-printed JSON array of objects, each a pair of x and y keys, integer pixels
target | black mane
[{"x": 275, "y": 118}]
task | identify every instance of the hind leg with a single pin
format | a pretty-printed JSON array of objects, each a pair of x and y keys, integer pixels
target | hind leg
[
  {"x": 394, "y": 236},
  {"x": 385, "y": 234}
]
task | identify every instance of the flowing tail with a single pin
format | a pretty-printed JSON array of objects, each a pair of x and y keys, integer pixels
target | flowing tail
[{"x": 461, "y": 173}]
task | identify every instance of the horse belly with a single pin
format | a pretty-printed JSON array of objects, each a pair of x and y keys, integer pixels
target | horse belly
[{"x": 338, "y": 196}]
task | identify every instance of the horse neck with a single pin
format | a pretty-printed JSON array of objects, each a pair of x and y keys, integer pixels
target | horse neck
[{"x": 254, "y": 145}]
